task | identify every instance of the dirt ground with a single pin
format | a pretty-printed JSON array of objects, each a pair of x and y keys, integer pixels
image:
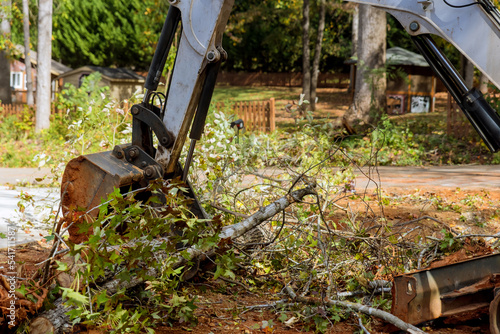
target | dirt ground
[{"x": 229, "y": 308}]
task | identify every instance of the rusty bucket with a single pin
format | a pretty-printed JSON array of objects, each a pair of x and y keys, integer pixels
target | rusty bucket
[{"x": 89, "y": 179}]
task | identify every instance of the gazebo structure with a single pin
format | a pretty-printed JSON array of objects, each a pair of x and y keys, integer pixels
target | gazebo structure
[{"x": 411, "y": 84}]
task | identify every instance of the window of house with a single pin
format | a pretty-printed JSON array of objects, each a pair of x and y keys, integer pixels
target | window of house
[{"x": 16, "y": 80}]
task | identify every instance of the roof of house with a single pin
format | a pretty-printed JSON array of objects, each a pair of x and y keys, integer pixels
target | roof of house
[
  {"x": 56, "y": 68},
  {"x": 112, "y": 74},
  {"x": 117, "y": 73},
  {"x": 400, "y": 56}
]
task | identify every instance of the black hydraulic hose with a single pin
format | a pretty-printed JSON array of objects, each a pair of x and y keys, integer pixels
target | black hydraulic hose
[
  {"x": 163, "y": 48},
  {"x": 205, "y": 98},
  {"x": 441, "y": 66},
  {"x": 198, "y": 126}
]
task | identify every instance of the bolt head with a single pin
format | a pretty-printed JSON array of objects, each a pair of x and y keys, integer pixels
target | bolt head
[
  {"x": 117, "y": 152},
  {"x": 149, "y": 171},
  {"x": 135, "y": 110},
  {"x": 414, "y": 26},
  {"x": 213, "y": 56},
  {"x": 134, "y": 153}
]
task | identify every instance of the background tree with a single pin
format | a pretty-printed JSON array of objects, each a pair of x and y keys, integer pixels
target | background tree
[
  {"x": 43, "y": 82},
  {"x": 27, "y": 56},
  {"x": 317, "y": 53},
  {"x": 264, "y": 36},
  {"x": 108, "y": 32},
  {"x": 311, "y": 73},
  {"x": 369, "y": 94},
  {"x": 467, "y": 71},
  {"x": 5, "y": 46},
  {"x": 306, "y": 53},
  {"x": 354, "y": 47}
]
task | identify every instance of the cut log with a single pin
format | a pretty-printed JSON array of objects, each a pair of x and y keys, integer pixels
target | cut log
[{"x": 56, "y": 321}]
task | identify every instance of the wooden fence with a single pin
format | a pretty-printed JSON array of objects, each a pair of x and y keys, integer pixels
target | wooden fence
[
  {"x": 16, "y": 109},
  {"x": 7, "y": 110},
  {"x": 256, "y": 115}
]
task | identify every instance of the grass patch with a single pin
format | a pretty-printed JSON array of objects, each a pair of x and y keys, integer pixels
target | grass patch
[{"x": 230, "y": 93}]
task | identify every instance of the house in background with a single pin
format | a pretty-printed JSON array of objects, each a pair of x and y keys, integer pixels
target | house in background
[
  {"x": 123, "y": 83},
  {"x": 18, "y": 75},
  {"x": 414, "y": 86}
]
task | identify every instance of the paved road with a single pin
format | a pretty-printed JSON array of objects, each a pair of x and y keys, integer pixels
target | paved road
[
  {"x": 35, "y": 220},
  {"x": 465, "y": 177},
  {"x": 46, "y": 199},
  {"x": 30, "y": 223}
]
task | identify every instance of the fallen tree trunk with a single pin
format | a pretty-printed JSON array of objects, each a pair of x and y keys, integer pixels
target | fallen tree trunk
[{"x": 56, "y": 320}]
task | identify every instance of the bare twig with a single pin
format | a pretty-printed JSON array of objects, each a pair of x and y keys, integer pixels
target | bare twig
[
  {"x": 220, "y": 208},
  {"x": 427, "y": 217},
  {"x": 360, "y": 323}
]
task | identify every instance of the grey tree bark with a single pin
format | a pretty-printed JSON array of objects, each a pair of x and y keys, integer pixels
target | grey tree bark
[
  {"x": 27, "y": 56},
  {"x": 5, "y": 17},
  {"x": 306, "y": 53},
  {"x": 483, "y": 83},
  {"x": 467, "y": 71},
  {"x": 354, "y": 46},
  {"x": 369, "y": 93},
  {"x": 43, "y": 89},
  {"x": 317, "y": 53}
]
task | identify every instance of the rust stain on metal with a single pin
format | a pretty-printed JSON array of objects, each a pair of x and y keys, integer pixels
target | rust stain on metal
[{"x": 447, "y": 290}]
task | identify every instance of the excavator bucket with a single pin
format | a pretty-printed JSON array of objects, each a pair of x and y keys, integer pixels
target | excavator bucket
[{"x": 87, "y": 180}]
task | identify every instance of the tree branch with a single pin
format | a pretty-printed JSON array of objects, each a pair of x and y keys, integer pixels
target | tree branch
[
  {"x": 57, "y": 320},
  {"x": 360, "y": 308}
]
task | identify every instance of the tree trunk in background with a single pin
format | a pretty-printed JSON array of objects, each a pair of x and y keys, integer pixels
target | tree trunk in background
[
  {"x": 354, "y": 46},
  {"x": 306, "y": 54},
  {"x": 317, "y": 53},
  {"x": 5, "y": 89},
  {"x": 467, "y": 71},
  {"x": 27, "y": 56},
  {"x": 369, "y": 94},
  {"x": 43, "y": 89},
  {"x": 483, "y": 83}
]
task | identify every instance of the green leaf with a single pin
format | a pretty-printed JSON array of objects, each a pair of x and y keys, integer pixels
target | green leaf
[
  {"x": 61, "y": 266},
  {"x": 102, "y": 298},
  {"x": 255, "y": 326},
  {"x": 22, "y": 290},
  {"x": 74, "y": 296}
]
